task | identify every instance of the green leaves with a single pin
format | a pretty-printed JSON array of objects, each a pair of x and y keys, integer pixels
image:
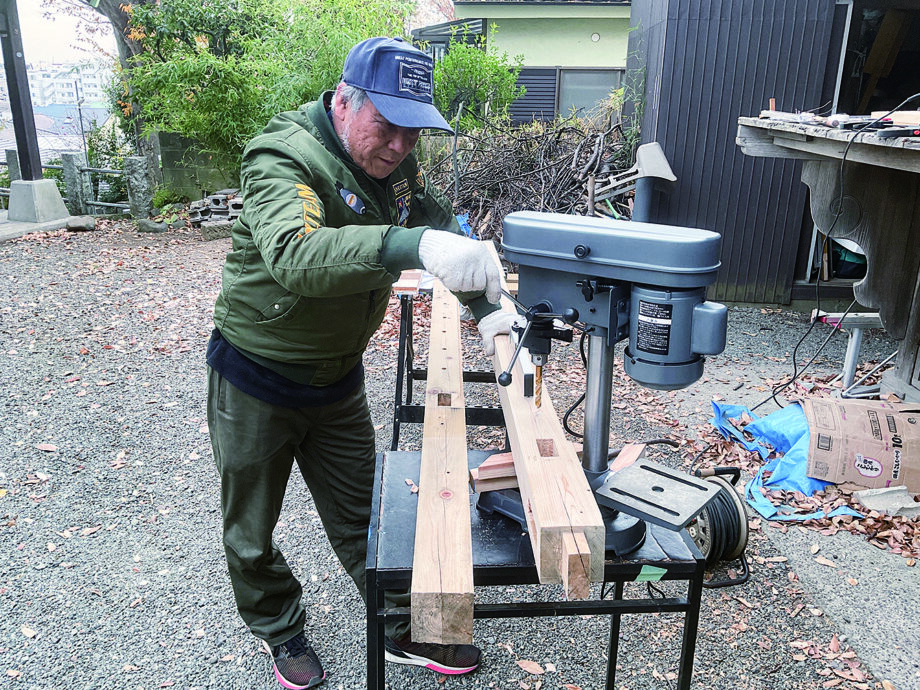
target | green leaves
[
  {"x": 216, "y": 72},
  {"x": 480, "y": 79}
]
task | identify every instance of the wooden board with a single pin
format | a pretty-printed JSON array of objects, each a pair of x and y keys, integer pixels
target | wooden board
[
  {"x": 442, "y": 571},
  {"x": 494, "y": 474},
  {"x": 565, "y": 526}
]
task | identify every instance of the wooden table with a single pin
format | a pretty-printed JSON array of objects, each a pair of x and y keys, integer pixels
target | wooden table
[
  {"x": 873, "y": 200},
  {"x": 502, "y": 556}
]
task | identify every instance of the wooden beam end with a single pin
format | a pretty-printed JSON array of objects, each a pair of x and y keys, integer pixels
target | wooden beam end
[{"x": 576, "y": 565}]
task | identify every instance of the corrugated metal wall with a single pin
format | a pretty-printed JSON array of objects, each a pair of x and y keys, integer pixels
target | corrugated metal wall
[
  {"x": 706, "y": 63},
  {"x": 539, "y": 99}
]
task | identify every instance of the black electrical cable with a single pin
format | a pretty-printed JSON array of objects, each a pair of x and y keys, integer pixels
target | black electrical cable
[
  {"x": 795, "y": 368},
  {"x": 568, "y": 413},
  {"x": 724, "y": 533}
]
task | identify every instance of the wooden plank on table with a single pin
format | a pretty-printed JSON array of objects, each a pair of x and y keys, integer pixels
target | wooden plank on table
[
  {"x": 492, "y": 484},
  {"x": 496, "y": 465},
  {"x": 494, "y": 474},
  {"x": 408, "y": 283},
  {"x": 442, "y": 571},
  {"x": 564, "y": 522}
]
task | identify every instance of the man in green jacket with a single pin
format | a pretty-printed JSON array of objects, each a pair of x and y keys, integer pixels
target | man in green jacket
[{"x": 335, "y": 207}]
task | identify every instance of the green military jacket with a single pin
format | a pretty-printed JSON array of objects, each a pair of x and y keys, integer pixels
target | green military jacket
[{"x": 318, "y": 246}]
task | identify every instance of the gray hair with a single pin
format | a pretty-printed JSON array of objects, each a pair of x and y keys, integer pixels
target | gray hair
[{"x": 350, "y": 94}]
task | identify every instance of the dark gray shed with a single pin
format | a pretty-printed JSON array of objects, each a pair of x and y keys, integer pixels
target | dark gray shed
[{"x": 703, "y": 63}]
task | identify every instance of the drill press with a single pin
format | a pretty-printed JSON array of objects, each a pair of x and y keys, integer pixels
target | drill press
[{"x": 617, "y": 280}]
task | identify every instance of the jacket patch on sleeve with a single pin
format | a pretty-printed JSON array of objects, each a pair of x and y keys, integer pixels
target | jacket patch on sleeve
[
  {"x": 353, "y": 200},
  {"x": 420, "y": 178},
  {"x": 312, "y": 216}
]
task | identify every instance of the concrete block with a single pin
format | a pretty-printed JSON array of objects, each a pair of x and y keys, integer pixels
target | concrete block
[
  {"x": 12, "y": 164},
  {"x": 81, "y": 223},
  {"x": 147, "y": 225},
  {"x": 35, "y": 201},
  {"x": 216, "y": 229},
  {"x": 140, "y": 193},
  {"x": 893, "y": 500}
]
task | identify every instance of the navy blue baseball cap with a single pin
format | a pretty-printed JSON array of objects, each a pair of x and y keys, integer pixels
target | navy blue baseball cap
[{"x": 399, "y": 80}]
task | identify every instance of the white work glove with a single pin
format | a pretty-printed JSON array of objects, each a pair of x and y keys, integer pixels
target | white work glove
[
  {"x": 491, "y": 325},
  {"x": 462, "y": 264}
]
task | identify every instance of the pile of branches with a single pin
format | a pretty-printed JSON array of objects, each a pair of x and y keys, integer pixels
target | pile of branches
[{"x": 552, "y": 166}]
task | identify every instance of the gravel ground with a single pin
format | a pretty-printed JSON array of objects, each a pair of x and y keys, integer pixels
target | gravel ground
[{"x": 113, "y": 573}]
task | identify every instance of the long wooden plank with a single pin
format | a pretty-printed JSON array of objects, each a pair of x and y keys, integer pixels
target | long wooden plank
[
  {"x": 564, "y": 522},
  {"x": 442, "y": 571}
]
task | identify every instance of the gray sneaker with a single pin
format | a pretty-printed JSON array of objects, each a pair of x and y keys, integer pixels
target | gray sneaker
[
  {"x": 452, "y": 659},
  {"x": 296, "y": 665}
]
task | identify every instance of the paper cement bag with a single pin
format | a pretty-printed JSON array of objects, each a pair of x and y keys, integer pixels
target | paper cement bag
[{"x": 869, "y": 443}]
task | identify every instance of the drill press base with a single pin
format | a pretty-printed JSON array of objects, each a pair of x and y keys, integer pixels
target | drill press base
[{"x": 625, "y": 533}]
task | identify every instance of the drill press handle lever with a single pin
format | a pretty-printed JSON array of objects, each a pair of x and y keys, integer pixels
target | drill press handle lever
[{"x": 538, "y": 314}]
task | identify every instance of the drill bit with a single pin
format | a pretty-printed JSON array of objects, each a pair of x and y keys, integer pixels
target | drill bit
[{"x": 538, "y": 385}]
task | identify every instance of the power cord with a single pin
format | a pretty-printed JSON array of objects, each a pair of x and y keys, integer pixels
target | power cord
[{"x": 795, "y": 370}]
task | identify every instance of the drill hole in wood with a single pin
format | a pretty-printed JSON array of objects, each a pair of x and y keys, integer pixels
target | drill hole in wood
[{"x": 546, "y": 447}]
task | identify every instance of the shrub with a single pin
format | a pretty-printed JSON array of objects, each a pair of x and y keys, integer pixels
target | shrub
[
  {"x": 216, "y": 72},
  {"x": 480, "y": 79}
]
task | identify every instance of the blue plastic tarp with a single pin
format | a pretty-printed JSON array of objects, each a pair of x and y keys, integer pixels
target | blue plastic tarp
[{"x": 785, "y": 432}]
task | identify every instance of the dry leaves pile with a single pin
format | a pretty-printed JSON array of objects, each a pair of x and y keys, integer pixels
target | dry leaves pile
[{"x": 897, "y": 534}]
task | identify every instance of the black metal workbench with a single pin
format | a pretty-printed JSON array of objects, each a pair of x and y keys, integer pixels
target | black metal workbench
[{"x": 502, "y": 556}]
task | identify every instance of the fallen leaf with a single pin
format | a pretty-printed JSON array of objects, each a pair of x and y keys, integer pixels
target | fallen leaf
[
  {"x": 835, "y": 644},
  {"x": 227, "y": 657},
  {"x": 814, "y": 549},
  {"x": 530, "y": 667},
  {"x": 130, "y": 667},
  {"x": 569, "y": 686},
  {"x": 47, "y": 447},
  {"x": 853, "y": 581},
  {"x": 90, "y": 530},
  {"x": 825, "y": 561},
  {"x": 13, "y": 673},
  {"x": 550, "y": 668},
  {"x": 27, "y": 631}
]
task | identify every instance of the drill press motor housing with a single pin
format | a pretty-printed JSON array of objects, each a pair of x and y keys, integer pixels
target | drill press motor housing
[{"x": 641, "y": 281}]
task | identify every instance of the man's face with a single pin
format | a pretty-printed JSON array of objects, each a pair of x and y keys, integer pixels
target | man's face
[{"x": 376, "y": 145}]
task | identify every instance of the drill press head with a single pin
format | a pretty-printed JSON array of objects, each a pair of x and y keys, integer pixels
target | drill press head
[{"x": 641, "y": 281}]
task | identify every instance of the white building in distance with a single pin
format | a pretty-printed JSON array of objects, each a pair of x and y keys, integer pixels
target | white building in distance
[{"x": 70, "y": 84}]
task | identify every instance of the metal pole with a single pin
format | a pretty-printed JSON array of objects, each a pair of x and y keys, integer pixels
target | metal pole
[
  {"x": 18, "y": 85},
  {"x": 854, "y": 342},
  {"x": 76, "y": 87},
  {"x": 597, "y": 403}
]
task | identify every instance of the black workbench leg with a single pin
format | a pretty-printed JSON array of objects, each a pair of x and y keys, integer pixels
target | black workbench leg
[
  {"x": 613, "y": 646},
  {"x": 405, "y": 325},
  {"x": 691, "y": 625},
  {"x": 410, "y": 351},
  {"x": 375, "y": 633}
]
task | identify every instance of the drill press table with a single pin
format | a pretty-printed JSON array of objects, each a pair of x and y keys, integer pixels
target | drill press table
[{"x": 502, "y": 556}]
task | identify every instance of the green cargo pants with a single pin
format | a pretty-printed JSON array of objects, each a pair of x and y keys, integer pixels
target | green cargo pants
[{"x": 255, "y": 445}]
